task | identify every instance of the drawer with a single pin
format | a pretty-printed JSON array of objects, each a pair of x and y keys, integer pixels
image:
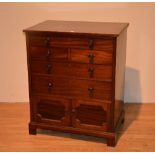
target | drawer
[
  {"x": 39, "y": 40},
  {"x": 71, "y": 87},
  {"x": 59, "y": 42},
  {"x": 69, "y": 42},
  {"x": 106, "y": 44},
  {"x": 43, "y": 53},
  {"x": 90, "y": 89},
  {"x": 93, "y": 57},
  {"x": 98, "y": 72},
  {"x": 102, "y": 72},
  {"x": 49, "y": 85},
  {"x": 51, "y": 68}
]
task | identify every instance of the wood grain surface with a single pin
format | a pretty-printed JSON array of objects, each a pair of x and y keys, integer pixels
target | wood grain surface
[{"x": 79, "y": 27}]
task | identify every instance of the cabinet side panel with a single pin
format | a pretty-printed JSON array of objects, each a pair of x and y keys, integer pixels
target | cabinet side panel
[
  {"x": 29, "y": 76},
  {"x": 120, "y": 75}
]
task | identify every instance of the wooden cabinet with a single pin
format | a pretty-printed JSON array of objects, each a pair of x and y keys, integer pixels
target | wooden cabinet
[{"x": 76, "y": 77}]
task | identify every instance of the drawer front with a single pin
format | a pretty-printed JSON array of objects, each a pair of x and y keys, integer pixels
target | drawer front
[
  {"x": 98, "y": 72},
  {"x": 54, "y": 111},
  {"x": 71, "y": 87},
  {"x": 93, "y": 57},
  {"x": 43, "y": 53},
  {"x": 102, "y": 72},
  {"x": 106, "y": 44},
  {"x": 59, "y": 42},
  {"x": 50, "y": 68},
  {"x": 90, "y": 89},
  {"x": 49, "y": 85},
  {"x": 90, "y": 115},
  {"x": 39, "y": 40},
  {"x": 70, "y": 42}
]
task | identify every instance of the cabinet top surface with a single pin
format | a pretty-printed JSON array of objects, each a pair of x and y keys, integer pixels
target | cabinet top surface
[{"x": 104, "y": 28}]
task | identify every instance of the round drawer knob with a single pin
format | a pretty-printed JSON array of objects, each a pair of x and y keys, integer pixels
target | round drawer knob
[
  {"x": 91, "y": 58},
  {"x": 90, "y": 72},
  {"x": 49, "y": 67},
  {"x": 50, "y": 85},
  {"x": 90, "y": 91}
]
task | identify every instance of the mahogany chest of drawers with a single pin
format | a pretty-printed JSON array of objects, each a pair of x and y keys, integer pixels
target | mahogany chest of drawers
[{"x": 76, "y": 77}]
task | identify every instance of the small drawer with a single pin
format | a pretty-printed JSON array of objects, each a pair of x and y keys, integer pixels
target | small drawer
[
  {"x": 50, "y": 68},
  {"x": 69, "y": 42},
  {"x": 43, "y": 53},
  {"x": 39, "y": 40},
  {"x": 104, "y": 44},
  {"x": 90, "y": 89},
  {"x": 93, "y": 57},
  {"x": 49, "y": 85},
  {"x": 98, "y": 72}
]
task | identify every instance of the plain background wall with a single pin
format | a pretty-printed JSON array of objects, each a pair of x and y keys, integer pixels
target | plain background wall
[{"x": 140, "y": 60}]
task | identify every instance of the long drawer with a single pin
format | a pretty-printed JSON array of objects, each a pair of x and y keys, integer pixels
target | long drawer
[
  {"x": 71, "y": 87},
  {"x": 73, "y": 42},
  {"x": 101, "y": 72}
]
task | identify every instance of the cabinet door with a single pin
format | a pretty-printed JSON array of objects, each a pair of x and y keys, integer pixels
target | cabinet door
[
  {"x": 90, "y": 115},
  {"x": 52, "y": 111}
]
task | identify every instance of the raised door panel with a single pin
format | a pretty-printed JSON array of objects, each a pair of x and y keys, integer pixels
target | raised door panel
[
  {"x": 90, "y": 115},
  {"x": 52, "y": 111}
]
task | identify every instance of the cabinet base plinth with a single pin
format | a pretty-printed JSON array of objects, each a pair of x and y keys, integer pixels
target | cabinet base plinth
[{"x": 32, "y": 129}]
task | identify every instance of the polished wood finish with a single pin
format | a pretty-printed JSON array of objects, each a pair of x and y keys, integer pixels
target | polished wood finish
[
  {"x": 134, "y": 135},
  {"x": 95, "y": 57},
  {"x": 79, "y": 27},
  {"x": 74, "y": 78},
  {"x": 74, "y": 70}
]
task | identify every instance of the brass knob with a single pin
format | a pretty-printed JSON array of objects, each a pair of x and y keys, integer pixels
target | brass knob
[
  {"x": 50, "y": 85},
  {"x": 90, "y": 91},
  {"x": 47, "y": 41},
  {"x": 90, "y": 72},
  {"x": 90, "y": 44},
  {"x": 49, "y": 67},
  {"x": 48, "y": 54},
  {"x": 91, "y": 57}
]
